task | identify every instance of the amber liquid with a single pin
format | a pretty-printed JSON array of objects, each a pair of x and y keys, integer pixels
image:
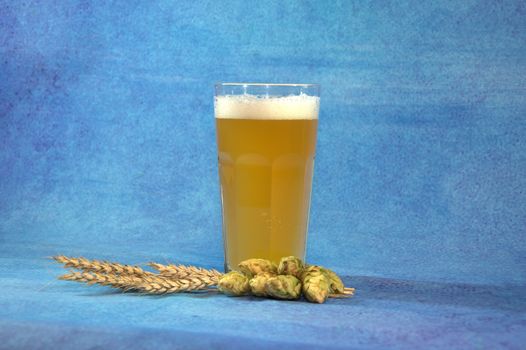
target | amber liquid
[{"x": 265, "y": 169}]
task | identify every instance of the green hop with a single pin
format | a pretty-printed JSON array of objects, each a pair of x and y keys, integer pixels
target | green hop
[
  {"x": 252, "y": 267},
  {"x": 336, "y": 284},
  {"x": 234, "y": 284},
  {"x": 316, "y": 284},
  {"x": 283, "y": 287},
  {"x": 290, "y": 265},
  {"x": 258, "y": 282}
]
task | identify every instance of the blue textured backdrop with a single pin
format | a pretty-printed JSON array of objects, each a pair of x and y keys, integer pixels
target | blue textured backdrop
[{"x": 107, "y": 140}]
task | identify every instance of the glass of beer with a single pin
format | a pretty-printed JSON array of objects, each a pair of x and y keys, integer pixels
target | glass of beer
[{"x": 266, "y": 141}]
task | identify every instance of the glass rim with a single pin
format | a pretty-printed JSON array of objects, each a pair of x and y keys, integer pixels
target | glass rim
[{"x": 267, "y": 84}]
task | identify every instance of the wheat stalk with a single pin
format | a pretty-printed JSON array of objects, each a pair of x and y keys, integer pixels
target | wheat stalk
[
  {"x": 151, "y": 284},
  {"x": 101, "y": 266},
  {"x": 347, "y": 293},
  {"x": 182, "y": 271}
]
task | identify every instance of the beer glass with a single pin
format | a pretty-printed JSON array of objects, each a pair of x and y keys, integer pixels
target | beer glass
[{"x": 266, "y": 140}]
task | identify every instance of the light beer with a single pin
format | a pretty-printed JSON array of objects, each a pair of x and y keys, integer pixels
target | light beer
[{"x": 266, "y": 150}]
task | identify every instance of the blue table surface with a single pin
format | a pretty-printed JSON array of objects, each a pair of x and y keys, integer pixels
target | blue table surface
[{"x": 38, "y": 311}]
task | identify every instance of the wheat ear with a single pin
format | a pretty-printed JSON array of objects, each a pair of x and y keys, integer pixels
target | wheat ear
[
  {"x": 161, "y": 285},
  {"x": 100, "y": 266},
  {"x": 182, "y": 271},
  {"x": 150, "y": 284},
  {"x": 124, "y": 282}
]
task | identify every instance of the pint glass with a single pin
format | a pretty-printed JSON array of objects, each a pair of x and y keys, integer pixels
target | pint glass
[{"x": 266, "y": 140}]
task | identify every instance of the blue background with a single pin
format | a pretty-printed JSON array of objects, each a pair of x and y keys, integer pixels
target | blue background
[{"x": 107, "y": 149}]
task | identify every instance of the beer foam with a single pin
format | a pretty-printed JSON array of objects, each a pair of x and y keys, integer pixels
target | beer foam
[{"x": 263, "y": 107}]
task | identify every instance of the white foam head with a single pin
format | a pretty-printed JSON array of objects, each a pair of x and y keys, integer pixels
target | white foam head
[{"x": 262, "y": 107}]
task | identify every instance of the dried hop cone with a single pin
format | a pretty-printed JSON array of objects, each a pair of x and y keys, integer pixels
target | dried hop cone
[
  {"x": 336, "y": 284},
  {"x": 316, "y": 284},
  {"x": 234, "y": 284},
  {"x": 290, "y": 265},
  {"x": 253, "y": 267},
  {"x": 283, "y": 287},
  {"x": 257, "y": 284}
]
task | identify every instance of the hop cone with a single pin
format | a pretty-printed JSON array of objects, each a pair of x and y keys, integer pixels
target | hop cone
[
  {"x": 258, "y": 282},
  {"x": 253, "y": 267},
  {"x": 316, "y": 284},
  {"x": 336, "y": 284},
  {"x": 290, "y": 265},
  {"x": 234, "y": 283},
  {"x": 283, "y": 287}
]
